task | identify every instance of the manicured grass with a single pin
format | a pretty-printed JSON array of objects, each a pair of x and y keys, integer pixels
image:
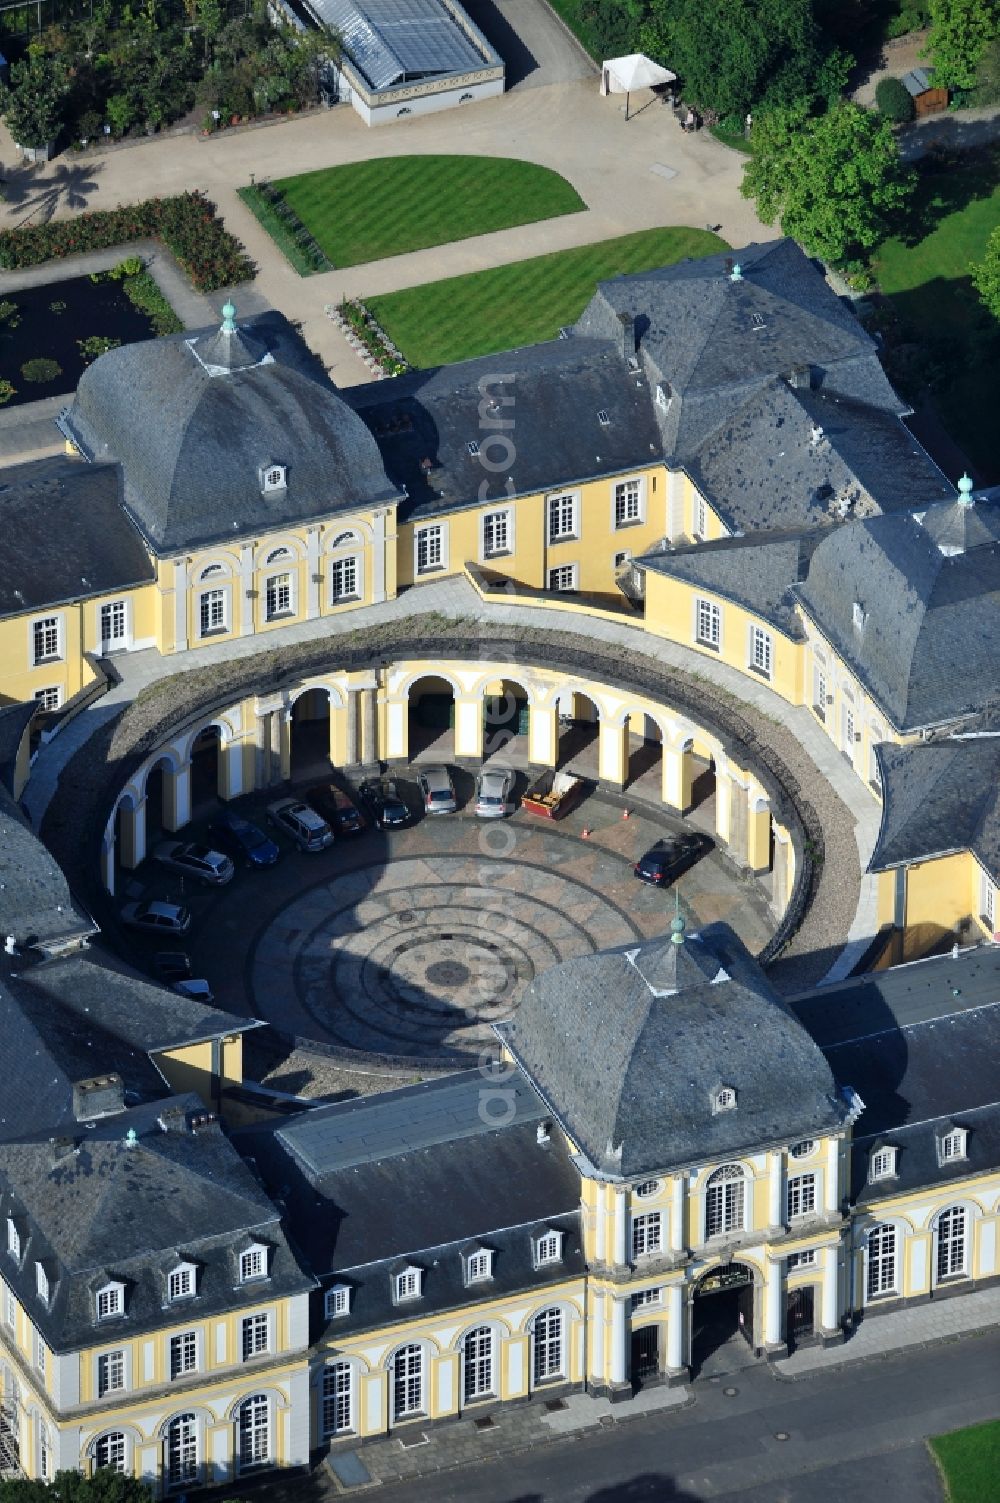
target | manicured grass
[
  {"x": 386, "y": 207},
  {"x": 525, "y": 302},
  {"x": 278, "y": 231},
  {"x": 970, "y": 1462},
  {"x": 926, "y": 275}
]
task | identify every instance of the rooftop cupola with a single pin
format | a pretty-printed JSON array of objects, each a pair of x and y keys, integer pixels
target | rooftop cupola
[
  {"x": 965, "y": 496},
  {"x": 736, "y": 275},
  {"x": 677, "y": 924},
  {"x": 229, "y": 348}
]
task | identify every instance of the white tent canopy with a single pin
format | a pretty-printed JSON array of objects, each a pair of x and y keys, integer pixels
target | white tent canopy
[{"x": 622, "y": 75}]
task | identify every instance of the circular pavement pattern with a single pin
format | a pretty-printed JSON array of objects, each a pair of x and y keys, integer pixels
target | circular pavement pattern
[{"x": 419, "y": 956}]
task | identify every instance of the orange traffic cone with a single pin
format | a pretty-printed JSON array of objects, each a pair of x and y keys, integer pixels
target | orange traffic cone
[
  {"x": 585, "y": 833},
  {"x": 626, "y": 814}
]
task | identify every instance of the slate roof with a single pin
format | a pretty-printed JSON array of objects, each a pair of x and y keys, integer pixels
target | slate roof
[
  {"x": 937, "y": 798},
  {"x": 919, "y": 1043},
  {"x": 956, "y": 526},
  {"x": 101, "y": 1209},
  {"x": 417, "y": 1175},
  {"x": 926, "y": 652},
  {"x": 551, "y": 393},
  {"x": 64, "y": 536},
  {"x": 629, "y": 1046},
  {"x": 192, "y": 435},
  {"x": 755, "y": 572},
  {"x": 36, "y": 906},
  {"x": 14, "y": 721}
]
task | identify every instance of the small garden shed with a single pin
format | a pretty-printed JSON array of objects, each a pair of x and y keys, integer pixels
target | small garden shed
[{"x": 927, "y": 99}]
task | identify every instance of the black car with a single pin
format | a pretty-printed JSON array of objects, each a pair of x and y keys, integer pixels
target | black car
[
  {"x": 668, "y": 858},
  {"x": 384, "y": 803},
  {"x": 339, "y": 811},
  {"x": 242, "y": 840},
  {"x": 172, "y": 965}
]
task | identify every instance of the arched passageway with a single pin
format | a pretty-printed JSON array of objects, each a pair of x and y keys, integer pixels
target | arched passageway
[
  {"x": 506, "y": 721},
  {"x": 207, "y": 777},
  {"x": 431, "y": 716},
  {"x": 722, "y": 1321},
  {"x": 579, "y": 732},
  {"x": 309, "y": 731}
]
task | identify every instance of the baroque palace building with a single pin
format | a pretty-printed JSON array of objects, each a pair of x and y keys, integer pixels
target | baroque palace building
[{"x": 192, "y": 1291}]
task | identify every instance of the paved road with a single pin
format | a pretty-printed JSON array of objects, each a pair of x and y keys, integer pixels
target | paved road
[{"x": 849, "y": 1433}]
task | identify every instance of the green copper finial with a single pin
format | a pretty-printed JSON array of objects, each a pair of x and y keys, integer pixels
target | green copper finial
[
  {"x": 228, "y": 319},
  {"x": 965, "y": 491},
  {"x": 736, "y": 275},
  {"x": 677, "y": 924}
]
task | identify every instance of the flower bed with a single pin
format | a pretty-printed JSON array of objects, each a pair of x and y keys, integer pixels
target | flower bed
[
  {"x": 187, "y": 224},
  {"x": 364, "y": 334}
]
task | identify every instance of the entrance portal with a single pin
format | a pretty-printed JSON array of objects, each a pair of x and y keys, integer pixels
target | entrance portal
[
  {"x": 645, "y": 1367},
  {"x": 722, "y": 1337},
  {"x": 800, "y": 1321}
]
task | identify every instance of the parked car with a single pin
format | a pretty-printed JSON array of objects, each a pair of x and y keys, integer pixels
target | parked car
[
  {"x": 302, "y": 824},
  {"x": 198, "y": 989},
  {"x": 384, "y": 804},
  {"x": 172, "y": 965},
  {"x": 339, "y": 811},
  {"x": 157, "y": 917},
  {"x": 670, "y": 857},
  {"x": 494, "y": 787},
  {"x": 197, "y": 861},
  {"x": 437, "y": 789},
  {"x": 242, "y": 840}
]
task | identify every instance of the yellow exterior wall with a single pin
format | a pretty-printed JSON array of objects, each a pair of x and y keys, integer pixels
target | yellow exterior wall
[{"x": 939, "y": 895}]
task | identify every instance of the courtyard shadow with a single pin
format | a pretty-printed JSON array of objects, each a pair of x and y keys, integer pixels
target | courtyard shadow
[
  {"x": 519, "y": 61},
  {"x": 42, "y": 190},
  {"x": 946, "y": 184}
]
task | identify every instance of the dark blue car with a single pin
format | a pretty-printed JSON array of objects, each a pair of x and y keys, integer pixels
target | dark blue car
[{"x": 242, "y": 840}]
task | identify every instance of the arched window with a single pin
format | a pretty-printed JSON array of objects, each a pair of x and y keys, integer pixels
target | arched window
[
  {"x": 338, "y": 1398},
  {"x": 881, "y": 1261},
  {"x": 408, "y": 1381},
  {"x": 725, "y": 1201},
  {"x": 278, "y": 553},
  {"x": 254, "y": 1432},
  {"x": 343, "y": 539},
  {"x": 44, "y": 1452},
  {"x": 477, "y": 1363},
  {"x": 211, "y": 571},
  {"x": 548, "y": 1344},
  {"x": 182, "y": 1451},
  {"x": 110, "y": 1451},
  {"x": 952, "y": 1242}
]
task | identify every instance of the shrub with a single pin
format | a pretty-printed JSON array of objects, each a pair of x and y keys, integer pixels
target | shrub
[
  {"x": 96, "y": 344},
  {"x": 57, "y": 307},
  {"x": 894, "y": 101},
  {"x": 130, "y": 267},
  {"x": 7, "y": 390},
  {"x": 187, "y": 224},
  {"x": 41, "y": 370}
]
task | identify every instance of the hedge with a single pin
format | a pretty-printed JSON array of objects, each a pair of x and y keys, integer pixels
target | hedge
[
  {"x": 187, "y": 224},
  {"x": 893, "y": 100}
]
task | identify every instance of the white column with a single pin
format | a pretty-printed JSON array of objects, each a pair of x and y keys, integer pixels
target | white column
[
  {"x": 597, "y": 1336},
  {"x": 314, "y": 578},
  {"x": 619, "y": 1334},
  {"x": 180, "y": 605},
  {"x": 378, "y": 557},
  {"x": 774, "y": 1207},
  {"x": 353, "y": 754},
  {"x": 831, "y": 1195},
  {"x": 620, "y": 1247},
  {"x": 246, "y": 585},
  {"x": 395, "y": 719},
  {"x": 830, "y": 1317},
  {"x": 601, "y": 1226},
  {"x": 678, "y": 1192},
  {"x": 675, "y": 1326},
  {"x": 772, "y": 1303},
  {"x": 177, "y": 786},
  {"x": 675, "y": 504}
]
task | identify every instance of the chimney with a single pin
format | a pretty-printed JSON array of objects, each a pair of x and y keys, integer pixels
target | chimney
[
  {"x": 173, "y": 1119},
  {"x": 800, "y": 378},
  {"x": 101, "y": 1096},
  {"x": 628, "y": 335},
  {"x": 60, "y": 1150}
]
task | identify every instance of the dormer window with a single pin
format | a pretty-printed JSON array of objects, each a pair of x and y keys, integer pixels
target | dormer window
[
  {"x": 882, "y": 1164},
  {"x": 337, "y": 1301},
  {"x": 860, "y": 616},
  {"x": 253, "y": 1263},
  {"x": 272, "y": 477},
  {"x": 408, "y": 1285},
  {"x": 951, "y": 1145},
  {"x": 110, "y": 1301},
  {"x": 548, "y": 1248},
  {"x": 724, "y": 1099},
  {"x": 479, "y": 1266},
  {"x": 181, "y": 1282},
  {"x": 604, "y": 418},
  {"x": 41, "y": 1283},
  {"x": 664, "y": 396},
  {"x": 803, "y": 1150},
  {"x": 13, "y": 1239}
]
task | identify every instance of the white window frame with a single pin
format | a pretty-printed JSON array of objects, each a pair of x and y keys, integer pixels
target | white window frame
[
  {"x": 435, "y": 549},
  {"x": 800, "y": 1196},
  {"x": 121, "y": 607},
  {"x": 273, "y": 477},
  {"x": 115, "y": 1444},
  {"x": 804, "y": 1149},
  {"x": 42, "y": 1288},
  {"x": 337, "y": 1398},
  {"x": 628, "y": 503},
  {"x": 40, "y": 630},
  {"x": 479, "y": 1266},
  {"x": 337, "y": 1301},
  {"x": 113, "y": 1296},
  {"x": 548, "y": 1345},
  {"x": 351, "y": 561},
  {"x": 882, "y": 1265},
  {"x": 882, "y": 1164},
  {"x": 407, "y": 1285},
  {"x": 952, "y": 1145},
  {"x": 564, "y": 509},
  {"x": 989, "y": 904},
  {"x": 564, "y": 579},
  {"x": 952, "y": 1237},
  {"x": 211, "y": 602},
  {"x": 726, "y": 1201},
  {"x": 41, "y": 1354},
  {"x": 13, "y": 1239},
  {"x": 185, "y": 1275},
  {"x": 188, "y": 1452},
  {"x": 50, "y": 698},
  {"x": 44, "y": 1452},
  {"x": 700, "y": 518},
  {"x": 547, "y": 1249},
  {"x": 110, "y": 1364},
  {"x": 761, "y": 658},
  {"x": 488, "y": 520},
  {"x": 724, "y": 1100},
  {"x": 185, "y": 1343},
  {"x": 280, "y": 585},
  {"x": 647, "y": 1234},
  {"x": 254, "y": 1441},
  {"x": 707, "y": 623},
  {"x": 479, "y": 1364},
  {"x": 256, "y": 1335},
  {"x": 804, "y": 1259},
  {"x": 253, "y": 1264},
  {"x": 642, "y": 1299},
  {"x": 408, "y": 1376},
  {"x": 9, "y": 1307},
  {"x": 821, "y": 691}
]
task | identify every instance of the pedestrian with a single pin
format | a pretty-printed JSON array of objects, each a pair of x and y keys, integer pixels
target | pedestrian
[
  {"x": 748, "y": 122},
  {"x": 689, "y": 120}
]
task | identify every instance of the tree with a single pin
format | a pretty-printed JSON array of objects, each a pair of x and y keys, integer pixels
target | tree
[
  {"x": 105, "y": 1486},
  {"x": 986, "y": 274},
  {"x": 894, "y": 100},
  {"x": 737, "y": 55},
  {"x": 834, "y": 182},
  {"x": 34, "y": 101},
  {"x": 960, "y": 32}
]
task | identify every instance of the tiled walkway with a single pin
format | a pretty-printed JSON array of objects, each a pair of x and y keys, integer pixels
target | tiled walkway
[{"x": 934, "y": 1321}]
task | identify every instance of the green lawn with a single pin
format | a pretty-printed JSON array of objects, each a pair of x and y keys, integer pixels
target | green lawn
[
  {"x": 955, "y": 209},
  {"x": 970, "y": 1462},
  {"x": 386, "y": 207},
  {"x": 524, "y": 303}
]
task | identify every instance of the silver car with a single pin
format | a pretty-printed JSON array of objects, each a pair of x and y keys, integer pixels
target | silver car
[
  {"x": 307, "y": 828},
  {"x": 437, "y": 790},
  {"x": 494, "y": 787},
  {"x": 195, "y": 861},
  {"x": 157, "y": 917}
]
